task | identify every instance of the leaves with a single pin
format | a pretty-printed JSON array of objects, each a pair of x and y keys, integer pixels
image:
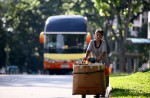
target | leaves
[
  {"x": 27, "y": 19},
  {"x": 123, "y": 11}
]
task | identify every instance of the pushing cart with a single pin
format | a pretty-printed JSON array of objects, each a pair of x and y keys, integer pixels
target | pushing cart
[{"x": 89, "y": 79}]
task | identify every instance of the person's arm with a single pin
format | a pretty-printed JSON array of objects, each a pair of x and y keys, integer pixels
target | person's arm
[
  {"x": 88, "y": 51},
  {"x": 87, "y": 54}
]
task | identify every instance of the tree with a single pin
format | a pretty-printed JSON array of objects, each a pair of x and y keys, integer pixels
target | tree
[
  {"x": 21, "y": 30},
  {"x": 21, "y": 22},
  {"x": 123, "y": 11},
  {"x": 2, "y": 39}
]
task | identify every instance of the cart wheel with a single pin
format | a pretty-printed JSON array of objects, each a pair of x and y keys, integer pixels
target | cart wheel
[
  {"x": 83, "y": 96},
  {"x": 97, "y": 96}
]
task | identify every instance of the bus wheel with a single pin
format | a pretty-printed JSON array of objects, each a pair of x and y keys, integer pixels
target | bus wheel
[{"x": 51, "y": 72}]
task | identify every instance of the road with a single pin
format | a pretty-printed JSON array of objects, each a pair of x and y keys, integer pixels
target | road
[{"x": 37, "y": 86}]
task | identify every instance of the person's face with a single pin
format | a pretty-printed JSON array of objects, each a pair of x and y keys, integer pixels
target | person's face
[{"x": 98, "y": 36}]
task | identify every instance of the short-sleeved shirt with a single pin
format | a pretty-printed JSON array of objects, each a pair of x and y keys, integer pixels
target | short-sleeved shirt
[{"x": 96, "y": 51}]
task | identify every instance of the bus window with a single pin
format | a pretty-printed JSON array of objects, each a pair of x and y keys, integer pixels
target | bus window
[{"x": 65, "y": 43}]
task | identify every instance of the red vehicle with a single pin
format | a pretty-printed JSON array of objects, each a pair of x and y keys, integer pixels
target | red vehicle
[{"x": 65, "y": 39}]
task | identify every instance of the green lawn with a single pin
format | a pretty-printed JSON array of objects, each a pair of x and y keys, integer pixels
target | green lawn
[{"x": 135, "y": 85}]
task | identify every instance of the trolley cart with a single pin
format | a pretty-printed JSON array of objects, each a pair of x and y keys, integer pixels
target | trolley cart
[{"x": 89, "y": 79}]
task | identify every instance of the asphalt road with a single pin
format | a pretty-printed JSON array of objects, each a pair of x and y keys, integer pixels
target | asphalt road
[{"x": 37, "y": 86}]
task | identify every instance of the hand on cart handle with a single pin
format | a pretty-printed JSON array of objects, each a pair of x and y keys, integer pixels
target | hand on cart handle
[
  {"x": 98, "y": 59},
  {"x": 84, "y": 60}
]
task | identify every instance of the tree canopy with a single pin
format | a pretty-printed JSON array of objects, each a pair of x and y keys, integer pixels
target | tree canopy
[
  {"x": 124, "y": 11},
  {"x": 21, "y": 22}
]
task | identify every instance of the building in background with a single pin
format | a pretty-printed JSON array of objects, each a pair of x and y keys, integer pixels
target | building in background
[
  {"x": 133, "y": 59},
  {"x": 137, "y": 24}
]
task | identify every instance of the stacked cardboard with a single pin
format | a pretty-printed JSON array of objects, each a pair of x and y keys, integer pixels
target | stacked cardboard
[{"x": 89, "y": 79}]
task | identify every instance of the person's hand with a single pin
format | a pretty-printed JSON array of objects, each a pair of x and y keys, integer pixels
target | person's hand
[
  {"x": 84, "y": 59},
  {"x": 98, "y": 59}
]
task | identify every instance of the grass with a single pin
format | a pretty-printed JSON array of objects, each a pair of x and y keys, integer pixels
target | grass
[{"x": 135, "y": 85}]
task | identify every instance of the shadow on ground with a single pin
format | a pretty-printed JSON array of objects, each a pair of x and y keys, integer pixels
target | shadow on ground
[
  {"x": 116, "y": 92},
  {"x": 119, "y": 75}
]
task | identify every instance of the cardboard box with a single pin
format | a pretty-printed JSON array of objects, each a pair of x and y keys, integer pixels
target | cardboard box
[{"x": 89, "y": 79}]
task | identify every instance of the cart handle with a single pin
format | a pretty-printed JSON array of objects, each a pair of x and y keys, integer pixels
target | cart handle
[{"x": 88, "y": 72}]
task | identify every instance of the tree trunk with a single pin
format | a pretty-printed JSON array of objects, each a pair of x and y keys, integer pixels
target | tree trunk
[
  {"x": 136, "y": 62},
  {"x": 122, "y": 66},
  {"x": 129, "y": 67},
  {"x": 108, "y": 48}
]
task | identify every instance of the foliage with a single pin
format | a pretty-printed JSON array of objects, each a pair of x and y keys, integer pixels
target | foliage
[
  {"x": 2, "y": 40},
  {"x": 130, "y": 85},
  {"x": 85, "y": 8},
  {"x": 20, "y": 32},
  {"x": 123, "y": 11},
  {"x": 21, "y": 22}
]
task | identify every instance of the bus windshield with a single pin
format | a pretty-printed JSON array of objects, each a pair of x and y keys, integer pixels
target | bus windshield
[{"x": 64, "y": 43}]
